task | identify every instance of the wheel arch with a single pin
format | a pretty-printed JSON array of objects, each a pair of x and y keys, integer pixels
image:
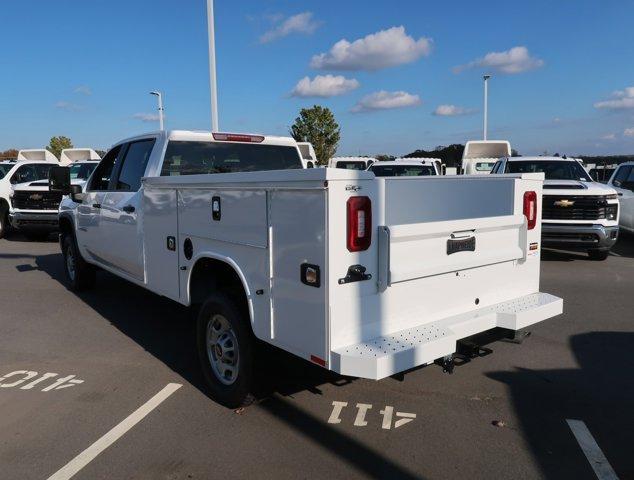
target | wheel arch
[{"x": 210, "y": 272}]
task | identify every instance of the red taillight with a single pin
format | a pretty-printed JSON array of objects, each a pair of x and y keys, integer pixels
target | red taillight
[
  {"x": 237, "y": 137},
  {"x": 359, "y": 234},
  {"x": 530, "y": 208}
]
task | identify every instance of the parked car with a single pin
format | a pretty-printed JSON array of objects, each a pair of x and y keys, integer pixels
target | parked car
[
  {"x": 404, "y": 168},
  {"x": 13, "y": 173},
  {"x": 622, "y": 181},
  {"x": 332, "y": 265},
  {"x": 351, "y": 163},
  {"x": 577, "y": 212}
]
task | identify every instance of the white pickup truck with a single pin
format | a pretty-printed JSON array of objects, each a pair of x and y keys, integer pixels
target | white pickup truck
[{"x": 361, "y": 275}]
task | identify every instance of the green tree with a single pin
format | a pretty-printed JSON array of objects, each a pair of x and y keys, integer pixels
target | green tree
[
  {"x": 57, "y": 144},
  {"x": 317, "y": 125}
]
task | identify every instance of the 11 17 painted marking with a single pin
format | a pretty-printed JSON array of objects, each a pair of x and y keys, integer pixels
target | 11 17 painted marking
[{"x": 362, "y": 410}]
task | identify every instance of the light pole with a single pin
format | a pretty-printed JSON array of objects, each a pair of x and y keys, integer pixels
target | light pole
[
  {"x": 486, "y": 103},
  {"x": 159, "y": 95},
  {"x": 212, "y": 66}
]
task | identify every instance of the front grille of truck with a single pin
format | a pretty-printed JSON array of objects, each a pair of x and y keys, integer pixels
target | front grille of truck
[
  {"x": 25, "y": 200},
  {"x": 573, "y": 207}
]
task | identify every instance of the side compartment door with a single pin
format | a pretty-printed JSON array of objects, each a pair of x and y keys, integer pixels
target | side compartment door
[
  {"x": 91, "y": 240},
  {"x": 121, "y": 211},
  {"x": 299, "y": 312}
]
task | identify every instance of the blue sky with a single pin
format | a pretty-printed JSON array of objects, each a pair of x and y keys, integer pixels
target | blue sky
[{"x": 561, "y": 70}]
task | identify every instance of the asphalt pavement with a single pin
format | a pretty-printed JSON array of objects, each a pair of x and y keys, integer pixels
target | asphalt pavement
[{"x": 108, "y": 386}]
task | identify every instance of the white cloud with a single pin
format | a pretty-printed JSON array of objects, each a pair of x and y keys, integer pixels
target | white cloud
[
  {"x": 324, "y": 86},
  {"x": 83, "y": 89},
  {"x": 515, "y": 60},
  {"x": 300, "y": 23},
  {"x": 68, "y": 106},
  {"x": 383, "y": 49},
  {"x": 608, "y": 136},
  {"x": 385, "y": 101},
  {"x": 622, "y": 100},
  {"x": 452, "y": 111},
  {"x": 629, "y": 132},
  {"x": 147, "y": 117}
]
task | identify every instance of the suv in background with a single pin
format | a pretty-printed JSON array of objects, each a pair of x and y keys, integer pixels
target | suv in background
[
  {"x": 622, "y": 181},
  {"x": 577, "y": 212}
]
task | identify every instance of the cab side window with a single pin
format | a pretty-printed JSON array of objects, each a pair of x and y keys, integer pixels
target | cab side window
[
  {"x": 100, "y": 181},
  {"x": 134, "y": 165},
  {"x": 624, "y": 178}
]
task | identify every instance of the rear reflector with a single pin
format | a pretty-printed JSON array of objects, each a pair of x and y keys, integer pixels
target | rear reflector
[
  {"x": 359, "y": 233},
  {"x": 317, "y": 360},
  {"x": 530, "y": 209},
  {"x": 237, "y": 137}
]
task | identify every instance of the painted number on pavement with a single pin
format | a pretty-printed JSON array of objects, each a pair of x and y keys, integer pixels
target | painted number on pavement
[
  {"x": 27, "y": 380},
  {"x": 390, "y": 417}
]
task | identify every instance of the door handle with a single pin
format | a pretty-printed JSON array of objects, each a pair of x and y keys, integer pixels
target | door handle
[
  {"x": 128, "y": 209},
  {"x": 96, "y": 205}
]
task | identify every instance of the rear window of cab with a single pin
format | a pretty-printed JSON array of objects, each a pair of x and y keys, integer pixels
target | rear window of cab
[{"x": 196, "y": 158}]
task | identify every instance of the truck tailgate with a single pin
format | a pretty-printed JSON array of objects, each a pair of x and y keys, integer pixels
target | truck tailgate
[{"x": 408, "y": 252}]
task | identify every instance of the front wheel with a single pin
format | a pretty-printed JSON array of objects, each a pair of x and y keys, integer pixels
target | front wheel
[
  {"x": 4, "y": 220},
  {"x": 598, "y": 254},
  {"x": 79, "y": 273},
  {"x": 225, "y": 346}
]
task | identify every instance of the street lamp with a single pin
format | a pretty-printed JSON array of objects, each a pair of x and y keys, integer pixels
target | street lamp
[
  {"x": 212, "y": 66},
  {"x": 159, "y": 96},
  {"x": 486, "y": 103}
]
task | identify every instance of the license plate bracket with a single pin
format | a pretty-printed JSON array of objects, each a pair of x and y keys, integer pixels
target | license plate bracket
[{"x": 455, "y": 245}]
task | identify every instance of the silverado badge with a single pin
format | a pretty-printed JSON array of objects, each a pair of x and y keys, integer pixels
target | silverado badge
[
  {"x": 36, "y": 196},
  {"x": 564, "y": 203}
]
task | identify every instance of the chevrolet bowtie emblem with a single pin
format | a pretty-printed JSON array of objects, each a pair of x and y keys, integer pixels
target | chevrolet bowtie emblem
[
  {"x": 564, "y": 203},
  {"x": 36, "y": 196}
]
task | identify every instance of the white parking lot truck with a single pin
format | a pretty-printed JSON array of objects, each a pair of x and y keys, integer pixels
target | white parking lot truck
[
  {"x": 479, "y": 156},
  {"x": 360, "y": 275},
  {"x": 622, "y": 181}
]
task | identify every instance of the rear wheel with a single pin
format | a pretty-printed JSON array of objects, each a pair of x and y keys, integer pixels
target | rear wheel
[
  {"x": 598, "y": 254},
  {"x": 225, "y": 349},
  {"x": 79, "y": 274}
]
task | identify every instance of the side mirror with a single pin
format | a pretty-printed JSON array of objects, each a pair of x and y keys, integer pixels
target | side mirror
[
  {"x": 76, "y": 193},
  {"x": 443, "y": 169},
  {"x": 59, "y": 180}
]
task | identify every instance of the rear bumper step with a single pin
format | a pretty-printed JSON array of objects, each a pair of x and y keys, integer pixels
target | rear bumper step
[{"x": 387, "y": 355}]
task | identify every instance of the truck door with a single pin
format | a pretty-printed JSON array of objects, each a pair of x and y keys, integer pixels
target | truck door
[
  {"x": 89, "y": 239},
  {"x": 120, "y": 211}
]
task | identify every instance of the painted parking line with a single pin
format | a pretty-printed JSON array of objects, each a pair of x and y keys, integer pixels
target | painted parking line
[
  {"x": 591, "y": 450},
  {"x": 88, "y": 455}
]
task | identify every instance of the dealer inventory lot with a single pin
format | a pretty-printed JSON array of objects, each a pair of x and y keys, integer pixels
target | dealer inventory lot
[{"x": 127, "y": 344}]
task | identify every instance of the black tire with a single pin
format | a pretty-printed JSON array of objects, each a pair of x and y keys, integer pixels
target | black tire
[
  {"x": 4, "y": 220},
  {"x": 83, "y": 277},
  {"x": 598, "y": 254},
  {"x": 238, "y": 393}
]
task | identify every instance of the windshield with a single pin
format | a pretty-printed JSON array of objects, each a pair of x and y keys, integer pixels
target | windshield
[
  {"x": 552, "y": 169},
  {"x": 402, "y": 170},
  {"x": 4, "y": 169},
  {"x": 352, "y": 165},
  {"x": 81, "y": 171},
  {"x": 31, "y": 173},
  {"x": 192, "y": 158}
]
